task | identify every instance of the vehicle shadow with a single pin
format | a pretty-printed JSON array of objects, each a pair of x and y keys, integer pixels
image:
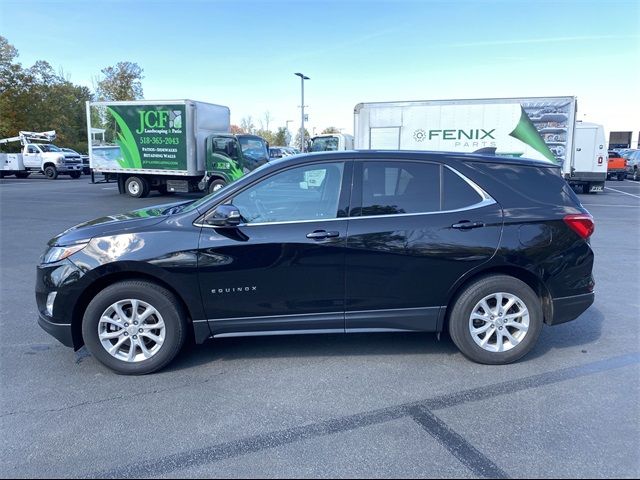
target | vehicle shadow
[
  {"x": 581, "y": 332},
  {"x": 304, "y": 346}
]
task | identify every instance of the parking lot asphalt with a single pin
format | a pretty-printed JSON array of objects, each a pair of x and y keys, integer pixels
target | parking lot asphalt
[{"x": 369, "y": 406}]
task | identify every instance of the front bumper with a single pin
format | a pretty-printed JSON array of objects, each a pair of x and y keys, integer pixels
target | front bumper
[
  {"x": 566, "y": 309},
  {"x": 69, "y": 168},
  {"x": 60, "y": 331},
  {"x": 61, "y": 277}
]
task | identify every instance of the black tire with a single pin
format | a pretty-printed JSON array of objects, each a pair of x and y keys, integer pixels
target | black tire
[
  {"x": 466, "y": 301},
  {"x": 216, "y": 185},
  {"x": 75, "y": 175},
  {"x": 23, "y": 174},
  {"x": 2, "y": 174},
  {"x": 137, "y": 187},
  {"x": 51, "y": 172},
  {"x": 621, "y": 177},
  {"x": 635, "y": 174},
  {"x": 161, "y": 299}
]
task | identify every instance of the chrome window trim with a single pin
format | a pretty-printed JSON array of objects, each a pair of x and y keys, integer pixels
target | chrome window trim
[{"x": 486, "y": 201}]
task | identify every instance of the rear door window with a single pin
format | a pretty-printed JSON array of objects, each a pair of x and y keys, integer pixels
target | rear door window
[{"x": 391, "y": 188}]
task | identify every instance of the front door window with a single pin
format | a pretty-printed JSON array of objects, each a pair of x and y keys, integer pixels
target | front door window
[{"x": 304, "y": 193}]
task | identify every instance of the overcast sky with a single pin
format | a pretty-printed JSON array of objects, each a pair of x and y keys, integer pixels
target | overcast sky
[{"x": 244, "y": 54}]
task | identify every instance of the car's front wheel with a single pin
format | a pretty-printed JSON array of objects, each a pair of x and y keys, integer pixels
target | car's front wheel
[
  {"x": 134, "y": 327},
  {"x": 496, "y": 320}
]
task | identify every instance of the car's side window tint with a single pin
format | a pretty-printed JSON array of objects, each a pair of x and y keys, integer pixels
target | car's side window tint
[
  {"x": 311, "y": 192},
  {"x": 390, "y": 188},
  {"x": 456, "y": 192}
]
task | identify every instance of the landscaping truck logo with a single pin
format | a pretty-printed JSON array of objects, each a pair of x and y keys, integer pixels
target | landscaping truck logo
[
  {"x": 159, "y": 119},
  {"x": 150, "y": 137}
]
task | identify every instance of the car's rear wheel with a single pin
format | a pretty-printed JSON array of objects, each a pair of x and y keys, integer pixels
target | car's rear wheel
[
  {"x": 23, "y": 174},
  {"x": 496, "y": 320},
  {"x": 134, "y": 327}
]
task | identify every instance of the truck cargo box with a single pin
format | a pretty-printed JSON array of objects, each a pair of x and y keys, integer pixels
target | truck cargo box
[{"x": 152, "y": 137}]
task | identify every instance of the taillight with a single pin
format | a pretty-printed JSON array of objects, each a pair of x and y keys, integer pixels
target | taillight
[{"x": 581, "y": 223}]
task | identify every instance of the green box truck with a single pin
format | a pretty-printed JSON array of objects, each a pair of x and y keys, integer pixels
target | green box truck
[{"x": 169, "y": 146}]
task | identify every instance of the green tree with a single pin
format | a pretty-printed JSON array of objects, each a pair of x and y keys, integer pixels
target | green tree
[
  {"x": 331, "y": 130},
  {"x": 267, "y": 135},
  {"x": 39, "y": 99},
  {"x": 122, "y": 82},
  {"x": 307, "y": 140},
  {"x": 281, "y": 137}
]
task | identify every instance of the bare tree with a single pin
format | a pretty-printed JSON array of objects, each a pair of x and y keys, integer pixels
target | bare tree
[{"x": 247, "y": 124}]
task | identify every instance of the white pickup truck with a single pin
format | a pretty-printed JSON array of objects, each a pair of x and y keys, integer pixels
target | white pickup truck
[{"x": 39, "y": 156}]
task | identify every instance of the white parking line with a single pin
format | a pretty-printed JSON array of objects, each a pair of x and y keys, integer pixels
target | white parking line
[
  {"x": 624, "y": 193},
  {"x": 109, "y": 188}
]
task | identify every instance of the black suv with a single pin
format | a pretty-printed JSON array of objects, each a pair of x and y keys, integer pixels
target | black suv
[{"x": 487, "y": 248}]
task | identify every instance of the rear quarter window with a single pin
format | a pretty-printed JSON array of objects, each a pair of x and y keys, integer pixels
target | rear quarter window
[
  {"x": 523, "y": 185},
  {"x": 456, "y": 192}
]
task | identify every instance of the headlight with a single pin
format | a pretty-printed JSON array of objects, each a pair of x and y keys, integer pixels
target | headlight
[
  {"x": 55, "y": 254},
  {"x": 60, "y": 159}
]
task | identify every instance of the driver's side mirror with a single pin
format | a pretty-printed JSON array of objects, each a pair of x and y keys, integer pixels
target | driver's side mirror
[{"x": 224, "y": 216}]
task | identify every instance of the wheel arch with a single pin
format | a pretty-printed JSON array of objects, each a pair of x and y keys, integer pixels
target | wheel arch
[
  {"x": 103, "y": 282},
  {"x": 528, "y": 277}
]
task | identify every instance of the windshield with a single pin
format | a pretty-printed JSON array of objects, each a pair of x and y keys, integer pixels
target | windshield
[
  {"x": 48, "y": 147},
  {"x": 324, "y": 144},
  {"x": 254, "y": 148}
]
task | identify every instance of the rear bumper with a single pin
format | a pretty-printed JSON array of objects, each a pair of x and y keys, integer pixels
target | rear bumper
[
  {"x": 61, "y": 331},
  {"x": 566, "y": 309}
]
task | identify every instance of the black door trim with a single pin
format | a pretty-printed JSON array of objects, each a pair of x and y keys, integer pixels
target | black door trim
[{"x": 419, "y": 319}]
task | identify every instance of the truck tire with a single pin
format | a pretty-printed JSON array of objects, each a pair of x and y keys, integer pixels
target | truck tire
[
  {"x": 137, "y": 187},
  {"x": 51, "y": 172},
  {"x": 635, "y": 174},
  {"x": 23, "y": 174},
  {"x": 621, "y": 177},
  {"x": 75, "y": 175},
  {"x": 216, "y": 184}
]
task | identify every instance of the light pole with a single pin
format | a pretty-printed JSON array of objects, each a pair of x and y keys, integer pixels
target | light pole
[{"x": 302, "y": 79}]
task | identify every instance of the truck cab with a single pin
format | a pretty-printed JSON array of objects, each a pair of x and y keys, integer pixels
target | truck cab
[
  {"x": 331, "y": 142},
  {"x": 229, "y": 157},
  {"x": 48, "y": 158}
]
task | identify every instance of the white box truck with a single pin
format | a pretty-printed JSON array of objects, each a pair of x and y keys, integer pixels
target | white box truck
[
  {"x": 169, "y": 146},
  {"x": 542, "y": 128}
]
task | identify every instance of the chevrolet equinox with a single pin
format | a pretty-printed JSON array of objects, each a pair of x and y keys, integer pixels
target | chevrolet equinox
[{"x": 486, "y": 248}]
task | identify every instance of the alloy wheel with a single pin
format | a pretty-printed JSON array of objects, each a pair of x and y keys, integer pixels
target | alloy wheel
[
  {"x": 499, "y": 322},
  {"x": 131, "y": 330}
]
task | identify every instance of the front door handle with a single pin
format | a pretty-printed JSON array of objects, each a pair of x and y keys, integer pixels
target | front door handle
[
  {"x": 322, "y": 234},
  {"x": 467, "y": 225}
]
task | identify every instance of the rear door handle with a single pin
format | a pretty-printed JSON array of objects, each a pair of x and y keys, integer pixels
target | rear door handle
[
  {"x": 322, "y": 234},
  {"x": 467, "y": 225}
]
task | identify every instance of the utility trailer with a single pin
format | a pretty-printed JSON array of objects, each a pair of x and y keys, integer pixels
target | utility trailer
[
  {"x": 542, "y": 128},
  {"x": 169, "y": 146}
]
